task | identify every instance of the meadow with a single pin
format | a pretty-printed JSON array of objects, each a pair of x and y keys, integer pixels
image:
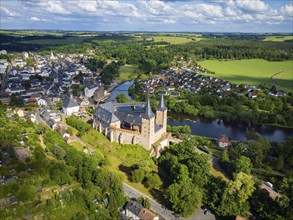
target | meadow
[
  {"x": 126, "y": 72},
  {"x": 278, "y": 38},
  {"x": 253, "y": 72},
  {"x": 177, "y": 39}
]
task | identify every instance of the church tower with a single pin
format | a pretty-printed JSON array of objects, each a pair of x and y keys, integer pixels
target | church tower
[
  {"x": 147, "y": 126},
  {"x": 161, "y": 113}
]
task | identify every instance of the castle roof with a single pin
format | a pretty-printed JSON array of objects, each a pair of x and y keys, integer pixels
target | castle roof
[
  {"x": 148, "y": 113},
  {"x": 105, "y": 112},
  {"x": 161, "y": 106}
]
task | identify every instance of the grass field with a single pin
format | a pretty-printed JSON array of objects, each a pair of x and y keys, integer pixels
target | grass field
[
  {"x": 176, "y": 39},
  {"x": 126, "y": 72},
  {"x": 278, "y": 38},
  {"x": 253, "y": 72}
]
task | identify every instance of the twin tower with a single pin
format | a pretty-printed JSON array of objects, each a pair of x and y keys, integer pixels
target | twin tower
[{"x": 153, "y": 127}]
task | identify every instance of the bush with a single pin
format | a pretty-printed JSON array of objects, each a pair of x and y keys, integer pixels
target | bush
[
  {"x": 153, "y": 181},
  {"x": 137, "y": 175}
]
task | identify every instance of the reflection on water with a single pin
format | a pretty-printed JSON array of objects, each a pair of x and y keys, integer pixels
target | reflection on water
[
  {"x": 210, "y": 127},
  {"x": 214, "y": 128}
]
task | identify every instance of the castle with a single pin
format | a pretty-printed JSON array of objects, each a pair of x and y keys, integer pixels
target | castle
[{"x": 128, "y": 124}]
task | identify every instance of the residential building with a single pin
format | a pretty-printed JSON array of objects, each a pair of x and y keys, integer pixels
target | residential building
[{"x": 69, "y": 106}]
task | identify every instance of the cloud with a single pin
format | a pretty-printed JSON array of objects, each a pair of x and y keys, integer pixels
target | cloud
[
  {"x": 35, "y": 19},
  {"x": 5, "y": 11},
  {"x": 56, "y": 7},
  {"x": 255, "y": 6},
  {"x": 156, "y": 14}
]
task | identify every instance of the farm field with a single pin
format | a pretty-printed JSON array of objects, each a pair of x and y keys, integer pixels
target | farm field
[
  {"x": 176, "y": 39},
  {"x": 253, "y": 72},
  {"x": 278, "y": 38}
]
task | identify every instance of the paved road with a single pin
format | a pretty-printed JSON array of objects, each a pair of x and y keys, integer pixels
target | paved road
[
  {"x": 165, "y": 213},
  {"x": 156, "y": 207}
]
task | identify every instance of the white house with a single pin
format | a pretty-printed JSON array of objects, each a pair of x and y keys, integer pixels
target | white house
[
  {"x": 69, "y": 106},
  {"x": 43, "y": 101},
  {"x": 135, "y": 211},
  {"x": 89, "y": 90}
]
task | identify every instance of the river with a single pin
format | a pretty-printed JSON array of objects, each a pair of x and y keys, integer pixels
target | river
[{"x": 211, "y": 127}]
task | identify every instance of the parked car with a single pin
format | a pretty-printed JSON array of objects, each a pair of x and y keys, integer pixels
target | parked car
[
  {"x": 268, "y": 184},
  {"x": 207, "y": 212}
]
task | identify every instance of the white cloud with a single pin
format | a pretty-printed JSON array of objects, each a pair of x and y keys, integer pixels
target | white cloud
[
  {"x": 255, "y": 6},
  {"x": 6, "y": 12},
  {"x": 287, "y": 10},
  {"x": 56, "y": 7},
  {"x": 35, "y": 19},
  {"x": 215, "y": 13}
]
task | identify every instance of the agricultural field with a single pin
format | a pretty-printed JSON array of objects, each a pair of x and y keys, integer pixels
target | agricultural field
[
  {"x": 278, "y": 38},
  {"x": 177, "y": 39},
  {"x": 253, "y": 72}
]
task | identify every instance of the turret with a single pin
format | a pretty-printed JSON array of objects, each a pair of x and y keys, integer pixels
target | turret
[
  {"x": 161, "y": 113},
  {"x": 147, "y": 126}
]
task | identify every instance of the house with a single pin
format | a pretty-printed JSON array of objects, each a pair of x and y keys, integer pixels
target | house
[
  {"x": 44, "y": 101},
  {"x": 19, "y": 112},
  {"x": 252, "y": 95},
  {"x": 223, "y": 141},
  {"x": 136, "y": 211},
  {"x": 89, "y": 90},
  {"x": 69, "y": 106}
]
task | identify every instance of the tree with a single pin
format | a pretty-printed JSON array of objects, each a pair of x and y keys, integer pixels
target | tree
[
  {"x": 236, "y": 194},
  {"x": 137, "y": 175},
  {"x": 153, "y": 181},
  {"x": 184, "y": 197},
  {"x": 243, "y": 164},
  {"x": 144, "y": 202},
  {"x": 121, "y": 98}
]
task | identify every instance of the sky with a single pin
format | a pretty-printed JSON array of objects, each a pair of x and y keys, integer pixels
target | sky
[{"x": 149, "y": 15}]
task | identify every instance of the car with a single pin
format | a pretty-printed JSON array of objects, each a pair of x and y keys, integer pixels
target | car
[
  {"x": 268, "y": 184},
  {"x": 207, "y": 212}
]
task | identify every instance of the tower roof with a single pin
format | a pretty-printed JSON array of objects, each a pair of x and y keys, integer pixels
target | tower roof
[
  {"x": 148, "y": 113},
  {"x": 161, "y": 106}
]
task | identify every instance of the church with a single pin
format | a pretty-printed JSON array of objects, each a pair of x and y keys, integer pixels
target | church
[{"x": 130, "y": 124}]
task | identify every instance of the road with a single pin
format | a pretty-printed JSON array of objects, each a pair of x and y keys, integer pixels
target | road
[
  {"x": 163, "y": 212},
  {"x": 156, "y": 207}
]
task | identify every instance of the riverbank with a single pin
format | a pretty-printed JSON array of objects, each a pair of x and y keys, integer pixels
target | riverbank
[{"x": 213, "y": 128}]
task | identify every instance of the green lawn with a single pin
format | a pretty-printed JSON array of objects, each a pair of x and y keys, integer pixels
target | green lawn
[
  {"x": 253, "y": 72},
  {"x": 278, "y": 38},
  {"x": 126, "y": 72}
]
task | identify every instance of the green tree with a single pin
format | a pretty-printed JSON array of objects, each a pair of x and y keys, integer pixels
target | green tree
[
  {"x": 137, "y": 175},
  {"x": 121, "y": 98},
  {"x": 153, "y": 180},
  {"x": 243, "y": 164},
  {"x": 236, "y": 194},
  {"x": 184, "y": 197}
]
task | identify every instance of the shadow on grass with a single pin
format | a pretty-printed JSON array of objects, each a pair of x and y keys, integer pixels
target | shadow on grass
[{"x": 126, "y": 170}]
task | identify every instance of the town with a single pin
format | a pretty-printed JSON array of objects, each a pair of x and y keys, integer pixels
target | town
[{"x": 146, "y": 110}]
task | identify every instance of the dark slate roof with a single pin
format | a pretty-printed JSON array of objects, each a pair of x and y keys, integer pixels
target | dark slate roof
[
  {"x": 161, "y": 106},
  {"x": 105, "y": 115},
  {"x": 68, "y": 102},
  {"x": 148, "y": 113},
  {"x": 134, "y": 207}
]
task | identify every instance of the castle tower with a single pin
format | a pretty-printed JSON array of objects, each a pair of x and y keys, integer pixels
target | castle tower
[
  {"x": 161, "y": 113},
  {"x": 147, "y": 127}
]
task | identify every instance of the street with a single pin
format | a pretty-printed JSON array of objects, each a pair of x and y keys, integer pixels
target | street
[{"x": 163, "y": 212}]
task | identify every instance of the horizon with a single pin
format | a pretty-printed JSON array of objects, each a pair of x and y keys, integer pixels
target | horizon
[{"x": 211, "y": 16}]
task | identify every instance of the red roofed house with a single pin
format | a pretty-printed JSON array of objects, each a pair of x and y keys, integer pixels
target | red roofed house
[{"x": 223, "y": 141}]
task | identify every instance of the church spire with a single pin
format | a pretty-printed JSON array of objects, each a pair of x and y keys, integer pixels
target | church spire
[
  {"x": 148, "y": 113},
  {"x": 161, "y": 106}
]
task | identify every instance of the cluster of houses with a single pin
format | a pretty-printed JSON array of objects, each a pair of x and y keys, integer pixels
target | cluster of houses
[
  {"x": 35, "y": 78},
  {"x": 170, "y": 82}
]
